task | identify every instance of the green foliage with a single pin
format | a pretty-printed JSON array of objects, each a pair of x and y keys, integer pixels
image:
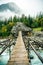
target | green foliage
[
  {"x": 37, "y": 29},
  {"x": 5, "y": 28},
  {"x": 42, "y": 29},
  {"x": 6, "y": 25},
  {"x": 15, "y": 19}
]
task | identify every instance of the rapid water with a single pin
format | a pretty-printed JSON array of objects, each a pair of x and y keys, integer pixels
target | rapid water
[
  {"x": 4, "y": 58},
  {"x": 35, "y": 61}
]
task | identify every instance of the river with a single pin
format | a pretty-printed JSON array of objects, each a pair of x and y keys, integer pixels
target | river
[
  {"x": 4, "y": 58},
  {"x": 35, "y": 61}
]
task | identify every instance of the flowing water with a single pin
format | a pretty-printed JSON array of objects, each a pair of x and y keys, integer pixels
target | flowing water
[
  {"x": 5, "y": 57},
  {"x": 36, "y": 60}
]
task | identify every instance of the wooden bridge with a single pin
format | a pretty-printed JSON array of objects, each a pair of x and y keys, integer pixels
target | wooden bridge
[{"x": 19, "y": 54}]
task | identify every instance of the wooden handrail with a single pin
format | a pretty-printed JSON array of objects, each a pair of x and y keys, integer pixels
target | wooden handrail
[
  {"x": 6, "y": 46},
  {"x": 41, "y": 59}
]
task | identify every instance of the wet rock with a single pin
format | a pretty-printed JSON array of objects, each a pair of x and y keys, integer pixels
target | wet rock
[{"x": 31, "y": 57}]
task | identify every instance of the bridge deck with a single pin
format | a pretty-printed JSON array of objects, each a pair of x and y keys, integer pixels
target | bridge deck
[{"x": 19, "y": 54}]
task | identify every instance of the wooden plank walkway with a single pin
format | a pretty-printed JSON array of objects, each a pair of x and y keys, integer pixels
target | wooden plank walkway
[{"x": 19, "y": 54}]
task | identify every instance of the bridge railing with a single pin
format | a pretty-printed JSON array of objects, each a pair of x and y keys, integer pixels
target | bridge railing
[
  {"x": 7, "y": 43},
  {"x": 41, "y": 59}
]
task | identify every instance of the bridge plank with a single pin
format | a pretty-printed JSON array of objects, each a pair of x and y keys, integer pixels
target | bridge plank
[{"x": 19, "y": 54}]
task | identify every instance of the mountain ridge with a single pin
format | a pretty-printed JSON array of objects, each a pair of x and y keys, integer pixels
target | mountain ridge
[
  {"x": 10, "y": 6},
  {"x": 9, "y": 9}
]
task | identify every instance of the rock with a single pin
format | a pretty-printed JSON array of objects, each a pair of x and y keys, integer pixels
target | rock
[
  {"x": 39, "y": 34},
  {"x": 31, "y": 57},
  {"x": 20, "y": 27}
]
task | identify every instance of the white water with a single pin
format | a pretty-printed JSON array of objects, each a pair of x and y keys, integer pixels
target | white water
[
  {"x": 5, "y": 57},
  {"x": 36, "y": 60}
]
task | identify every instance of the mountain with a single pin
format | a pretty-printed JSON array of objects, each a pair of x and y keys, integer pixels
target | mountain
[
  {"x": 10, "y": 6},
  {"x": 10, "y": 9}
]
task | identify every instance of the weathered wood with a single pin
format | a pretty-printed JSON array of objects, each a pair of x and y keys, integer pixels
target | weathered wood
[
  {"x": 19, "y": 54},
  {"x": 5, "y": 41},
  {"x": 10, "y": 43},
  {"x": 4, "y": 48}
]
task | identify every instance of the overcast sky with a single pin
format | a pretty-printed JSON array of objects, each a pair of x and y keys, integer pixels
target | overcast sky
[{"x": 31, "y": 7}]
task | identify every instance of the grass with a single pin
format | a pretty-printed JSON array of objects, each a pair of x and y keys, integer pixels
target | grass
[{"x": 37, "y": 29}]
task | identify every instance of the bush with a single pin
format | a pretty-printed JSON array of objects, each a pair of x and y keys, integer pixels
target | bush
[{"x": 41, "y": 29}]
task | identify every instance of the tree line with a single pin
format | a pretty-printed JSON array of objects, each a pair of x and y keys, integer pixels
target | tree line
[{"x": 33, "y": 22}]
